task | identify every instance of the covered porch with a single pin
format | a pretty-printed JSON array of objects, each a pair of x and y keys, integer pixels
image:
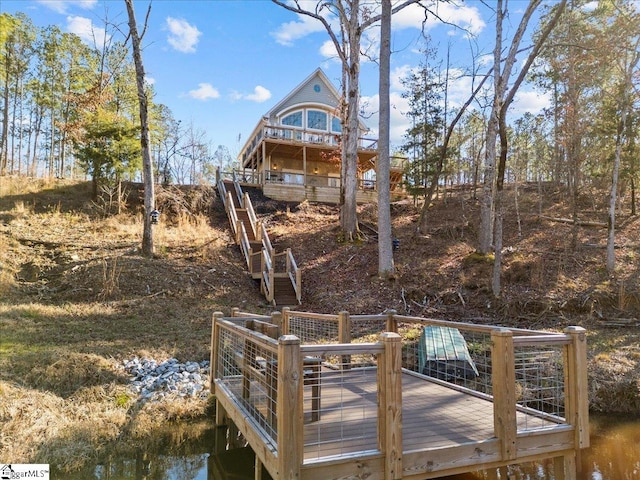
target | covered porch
[{"x": 294, "y": 164}]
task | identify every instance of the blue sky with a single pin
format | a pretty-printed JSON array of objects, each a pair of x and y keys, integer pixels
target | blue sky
[{"x": 221, "y": 64}]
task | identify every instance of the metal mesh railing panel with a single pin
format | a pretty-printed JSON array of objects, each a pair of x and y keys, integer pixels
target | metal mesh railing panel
[
  {"x": 248, "y": 371},
  {"x": 311, "y": 330},
  {"x": 348, "y": 408},
  {"x": 540, "y": 381}
]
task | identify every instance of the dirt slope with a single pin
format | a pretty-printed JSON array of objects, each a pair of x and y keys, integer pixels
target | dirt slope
[{"x": 60, "y": 250}]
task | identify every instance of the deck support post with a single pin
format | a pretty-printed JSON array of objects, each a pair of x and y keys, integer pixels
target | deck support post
[
  {"x": 564, "y": 467},
  {"x": 213, "y": 359},
  {"x": 504, "y": 391},
  {"x": 289, "y": 408},
  {"x": 236, "y": 440},
  {"x": 257, "y": 469},
  {"x": 390, "y": 405}
]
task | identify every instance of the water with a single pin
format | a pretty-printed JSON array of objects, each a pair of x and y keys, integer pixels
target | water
[{"x": 177, "y": 455}]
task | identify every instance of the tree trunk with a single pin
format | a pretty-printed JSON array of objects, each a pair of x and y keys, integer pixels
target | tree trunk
[
  {"x": 349, "y": 217},
  {"x": 147, "y": 166},
  {"x": 5, "y": 123},
  {"x": 385, "y": 245}
]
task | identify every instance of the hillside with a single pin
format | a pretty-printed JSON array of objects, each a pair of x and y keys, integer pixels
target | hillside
[{"x": 77, "y": 298}]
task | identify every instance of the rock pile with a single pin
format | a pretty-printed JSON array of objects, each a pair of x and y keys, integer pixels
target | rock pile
[{"x": 156, "y": 381}]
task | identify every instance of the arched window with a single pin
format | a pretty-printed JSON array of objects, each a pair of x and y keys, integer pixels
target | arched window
[
  {"x": 317, "y": 120},
  {"x": 293, "y": 119}
]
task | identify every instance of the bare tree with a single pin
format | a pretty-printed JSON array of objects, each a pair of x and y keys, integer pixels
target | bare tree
[
  {"x": 503, "y": 97},
  {"x": 385, "y": 246},
  {"x": 354, "y": 18},
  {"x": 628, "y": 58},
  {"x": 145, "y": 143}
]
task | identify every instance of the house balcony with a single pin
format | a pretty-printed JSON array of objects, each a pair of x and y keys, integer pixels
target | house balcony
[{"x": 293, "y": 164}]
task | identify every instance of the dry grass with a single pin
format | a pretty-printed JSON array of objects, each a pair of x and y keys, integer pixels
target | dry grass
[{"x": 77, "y": 298}]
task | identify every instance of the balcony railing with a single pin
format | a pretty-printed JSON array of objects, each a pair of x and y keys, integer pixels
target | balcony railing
[{"x": 299, "y": 136}]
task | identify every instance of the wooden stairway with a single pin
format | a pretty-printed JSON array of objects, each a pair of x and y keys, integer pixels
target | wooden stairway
[
  {"x": 284, "y": 292},
  {"x": 280, "y": 279}
]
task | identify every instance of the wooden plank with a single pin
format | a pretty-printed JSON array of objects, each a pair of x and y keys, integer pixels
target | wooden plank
[
  {"x": 450, "y": 460},
  {"x": 369, "y": 467}
]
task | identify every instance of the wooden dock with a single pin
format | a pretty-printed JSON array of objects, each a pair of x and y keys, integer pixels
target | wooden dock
[{"x": 370, "y": 412}]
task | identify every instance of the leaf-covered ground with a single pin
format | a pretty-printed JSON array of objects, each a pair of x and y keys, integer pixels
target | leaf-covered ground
[{"x": 76, "y": 296}]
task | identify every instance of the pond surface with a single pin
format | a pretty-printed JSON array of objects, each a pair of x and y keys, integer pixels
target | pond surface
[{"x": 614, "y": 455}]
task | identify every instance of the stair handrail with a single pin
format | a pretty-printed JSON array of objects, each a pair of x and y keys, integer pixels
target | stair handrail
[
  {"x": 268, "y": 277},
  {"x": 239, "y": 192},
  {"x": 233, "y": 216},
  {"x": 295, "y": 275},
  {"x": 248, "y": 206},
  {"x": 245, "y": 245},
  {"x": 266, "y": 242},
  {"x": 222, "y": 192}
]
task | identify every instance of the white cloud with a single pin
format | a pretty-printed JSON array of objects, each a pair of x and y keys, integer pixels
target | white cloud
[
  {"x": 62, "y": 6},
  {"x": 530, "y": 101},
  {"x": 182, "y": 36},
  {"x": 463, "y": 16},
  {"x": 205, "y": 91},
  {"x": 399, "y": 122},
  {"x": 259, "y": 95},
  {"x": 399, "y": 74},
  {"x": 328, "y": 50},
  {"x": 88, "y": 33},
  {"x": 288, "y": 32}
]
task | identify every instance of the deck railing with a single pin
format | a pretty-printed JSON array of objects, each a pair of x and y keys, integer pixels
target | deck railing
[
  {"x": 285, "y": 134},
  {"x": 267, "y": 383},
  {"x": 536, "y": 380},
  {"x": 538, "y": 357}
]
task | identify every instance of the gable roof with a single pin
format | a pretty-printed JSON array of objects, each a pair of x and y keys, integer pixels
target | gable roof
[{"x": 316, "y": 88}]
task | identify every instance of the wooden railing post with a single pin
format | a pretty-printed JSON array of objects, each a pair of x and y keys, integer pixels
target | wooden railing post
[
  {"x": 344, "y": 327},
  {"x": 213, "y": 359},
  {"x": 344, "y": 336},
  {"x": 276, "y": 319},
  {"x": 235, "y": 312},
  {"x": 503, "y": 376},
  {"x": 284, "y": 328},
  {"x": 390, "y": 405},
  {"x": 289, "y": 408},
  {"x": 577, "y": 401},
  {"x": 392, "y": 325}
]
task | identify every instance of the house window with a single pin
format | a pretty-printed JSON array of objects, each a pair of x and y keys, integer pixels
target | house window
[
  {"x": 293, "y": 119},
  {"x": 316, "y": 120},
  {"x": 336, "y": 125}
]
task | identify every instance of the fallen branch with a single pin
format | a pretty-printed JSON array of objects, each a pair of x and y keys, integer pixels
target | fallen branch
[{"x": 582, "y": 223}]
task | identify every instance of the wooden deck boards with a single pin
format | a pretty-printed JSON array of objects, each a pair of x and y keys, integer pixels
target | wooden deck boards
[{"x": 434, "y": 416}]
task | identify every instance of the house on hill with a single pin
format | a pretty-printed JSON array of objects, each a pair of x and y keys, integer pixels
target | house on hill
[{"x": 294, "y": 151}]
